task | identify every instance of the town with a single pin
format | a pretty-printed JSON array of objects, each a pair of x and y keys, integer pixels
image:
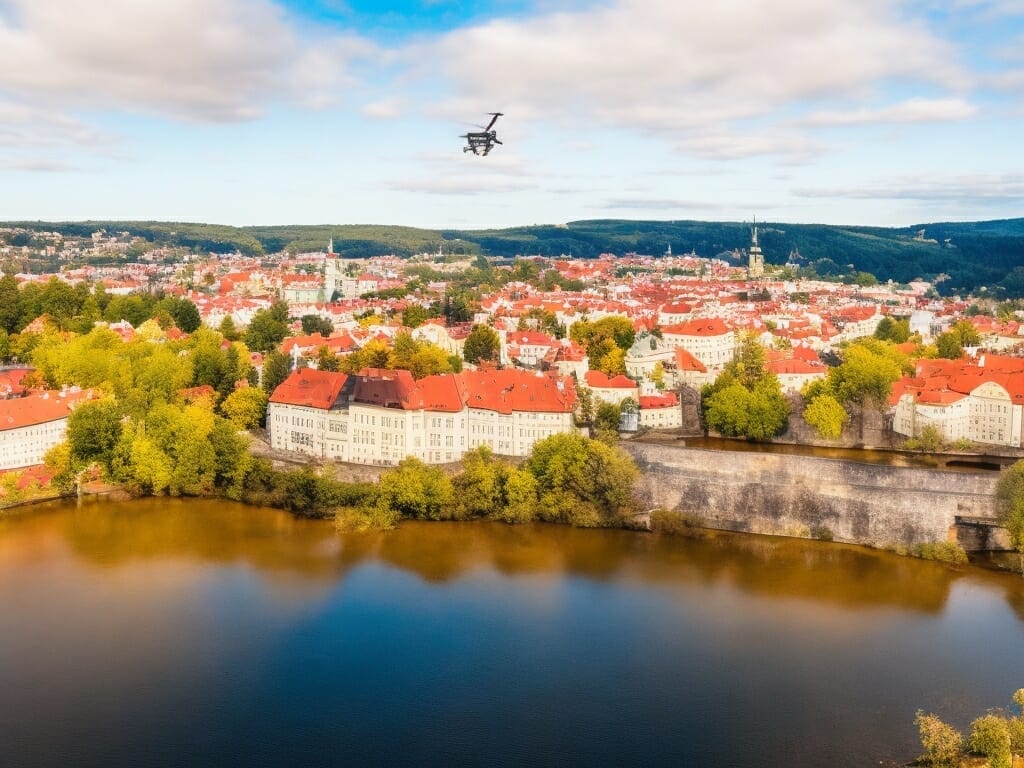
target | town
[{"x": 370, "y": 360}]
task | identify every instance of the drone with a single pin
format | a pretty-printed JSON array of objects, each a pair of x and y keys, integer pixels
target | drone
[{"x": 482, "y": 142}]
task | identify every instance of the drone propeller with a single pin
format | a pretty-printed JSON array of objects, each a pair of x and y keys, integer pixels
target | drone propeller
[{"x": 494, "y": 119}]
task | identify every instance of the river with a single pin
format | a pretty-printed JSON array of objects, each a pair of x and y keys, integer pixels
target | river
[{"x": 179, "y": 632}]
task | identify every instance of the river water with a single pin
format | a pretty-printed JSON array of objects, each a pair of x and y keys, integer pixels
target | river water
[{"x": 172, "y": 632}]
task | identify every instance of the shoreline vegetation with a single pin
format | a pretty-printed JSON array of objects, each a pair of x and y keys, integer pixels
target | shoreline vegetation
[{"x": 996, "y": 739}]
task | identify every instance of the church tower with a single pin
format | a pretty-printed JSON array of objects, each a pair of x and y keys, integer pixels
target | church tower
[{"x": 755, "y": 264}]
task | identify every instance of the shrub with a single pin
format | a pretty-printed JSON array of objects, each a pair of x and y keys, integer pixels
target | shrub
[
  {"x": 948, "y": 552},
  {"x": 942, "y": 743},
  {"x": 990, "y": 737},
  {"x": 821, "y": 533},
  {"x": 366, "y": 518},
  {"x": 674, "y": 523}
]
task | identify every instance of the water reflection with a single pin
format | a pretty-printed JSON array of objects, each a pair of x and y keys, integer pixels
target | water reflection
[
  {"x": 111, "y": 534},
  {"x": 162, "y": 632}
]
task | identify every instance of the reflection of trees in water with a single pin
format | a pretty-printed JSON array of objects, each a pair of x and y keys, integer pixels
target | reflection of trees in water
[{"x": 109, "y": 534}]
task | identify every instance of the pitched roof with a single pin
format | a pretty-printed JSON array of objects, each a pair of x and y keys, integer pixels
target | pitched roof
[{"x": 311, "y": 388}]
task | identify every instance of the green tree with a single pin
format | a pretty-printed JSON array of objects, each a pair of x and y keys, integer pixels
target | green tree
[
  {"x": 94, "y": 428},
  {"x": 478, "y": 486},
  {"x": 867, "y": 372},
  {"x": 990, "y": 737},
  {"x": 948, "y": 346},
  {"x": 518, "y": 496},
  {"x": 746, "y": 399},
  {"x": 582, "y": 481},
  {"x": 942, "y": 743},
  {"x": 245, "y": 408},
  {"x": 1010, "y": 503},
  {"x": 827, "y": 416},
  {"x": 482, "y": 344},
  {"x": 894, "y": 330},
  {"x": 326, "y": 360},
  {"x": 10, "y": 304},
  {"x": 414, "y": 315},
  {"x": 315, "y": 324},
  {"x": 414, "y": 490},
  {"x": 228, "y": 330},
  {"x": 276, "y": 368},
  {"x": 268, "y": 328}
]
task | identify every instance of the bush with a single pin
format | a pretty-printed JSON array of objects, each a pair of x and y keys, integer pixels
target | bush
[
  {"x": 675, "y": 523},
  {"x": 366, "y": 518},
  {"x": 942, "y": 743},
  {"x": 821, "y": 533},
  {"x": 948, "y": 552},
  {"x": 990, "y": 737}
]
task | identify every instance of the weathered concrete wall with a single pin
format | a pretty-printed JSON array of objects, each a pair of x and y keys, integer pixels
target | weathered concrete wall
[{"x": 811, "y": 497}]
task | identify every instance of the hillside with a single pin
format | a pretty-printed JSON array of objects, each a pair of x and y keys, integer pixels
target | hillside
[{"x": 972, "y": 254}]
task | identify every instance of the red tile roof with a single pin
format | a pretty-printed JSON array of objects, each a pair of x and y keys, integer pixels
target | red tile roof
[{"x": 311, "y": 388}]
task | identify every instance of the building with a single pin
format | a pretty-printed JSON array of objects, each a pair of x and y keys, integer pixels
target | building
[
  {"x": 381, "y": 416},
  {"x": 32, "y": 425},
  {"x": 707, "y": 339},
  {"x": 755, "y": 260}
]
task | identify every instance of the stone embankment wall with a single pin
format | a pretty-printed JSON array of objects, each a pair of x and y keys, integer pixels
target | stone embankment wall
[{"x": 810, "y": 497}]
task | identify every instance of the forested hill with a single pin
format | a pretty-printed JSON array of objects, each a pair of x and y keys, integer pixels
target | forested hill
[{"x": 972, "y": 254}]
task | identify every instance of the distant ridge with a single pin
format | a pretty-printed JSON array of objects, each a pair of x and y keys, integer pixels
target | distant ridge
[{"x": 972, "y": 254}]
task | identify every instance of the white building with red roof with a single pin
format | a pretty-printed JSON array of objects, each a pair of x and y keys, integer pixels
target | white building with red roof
[
  {"x": 661, "y": 411},
  {"x": 381, "y": 416},
  {"x": 709, "y": 340},
  {"x": 32, "y": 425},
  {"x": 978, "y": 400},
  {"x": 610, "y": 389}
]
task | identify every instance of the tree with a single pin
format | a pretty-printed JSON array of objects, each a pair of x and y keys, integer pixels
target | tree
[
  {"x": 867, "y": 372},
  {"x": 826, "y": 415},
  {"x": 10, "y": 305},
  {"x": 478, "y": 487},
  {"x": 1010, "y": 503},
  {"x": 518, "y": 496},
  {"x": 581, "y": 481},
  {"x": 990, "y": 737},
  {"x": 942, "y": 743},
  {"x": 746, "y": 399},
  {"x": 414, "y": 490},
  {"x": 315, "y": 324},
  {"x": 268, "y": 328},
  {"x": 228, "y": 330},
  {"x": 94, "y": 428},
  {"x": 326, "y": 360},
  {"x": 894, "y": 330},
  {"x": 607, "y": 418},
  {"x": 414, "y": 316},
  {"x": 948, "y": 346},
  {"x": 482, "y": 344},
  {"x": 245, "y": 408},
  {"x": 276, "y": 368}
]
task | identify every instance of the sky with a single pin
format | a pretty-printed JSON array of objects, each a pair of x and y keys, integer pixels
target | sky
[{"x": 874, "y": 112}]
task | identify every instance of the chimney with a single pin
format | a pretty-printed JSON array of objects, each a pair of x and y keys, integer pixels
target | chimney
[{"x": 981, "y": 361}]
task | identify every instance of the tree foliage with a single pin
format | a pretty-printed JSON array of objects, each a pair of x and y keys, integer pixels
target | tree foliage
[
  {"x": 827, "y": 416},
  {"x": 746, "y": 399},
  {"x": 482, "y": 344},
  {"x": 1010, "y": 503}
]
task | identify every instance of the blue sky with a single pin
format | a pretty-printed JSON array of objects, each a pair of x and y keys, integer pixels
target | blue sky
[{"x": 349, "y": 111}]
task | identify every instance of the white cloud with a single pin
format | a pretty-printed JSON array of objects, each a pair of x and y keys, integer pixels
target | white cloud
[
  {"x": 22, "y": 125},
  {"x": 662, "y": 204},
  {"x": 910, "y": 111},
  {"x": 216, "y": 60},
  {"x": 730, "y": 146},
  {"x": 461, "y": 185},
  {"x": 385, "y": 109},
  {"x": 675, "y": 67},
  {"x": 968, "y": 188}
]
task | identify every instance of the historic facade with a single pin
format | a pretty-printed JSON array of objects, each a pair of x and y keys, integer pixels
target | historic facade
[{"x": 382, "y": 416}]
